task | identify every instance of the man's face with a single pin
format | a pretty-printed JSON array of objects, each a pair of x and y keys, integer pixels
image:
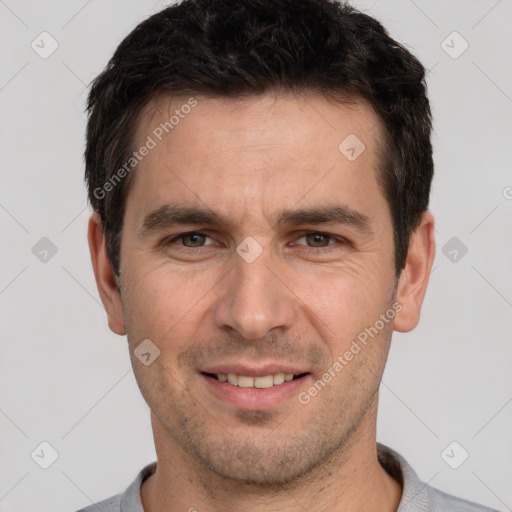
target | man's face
[{"x": 266, "y": 285}]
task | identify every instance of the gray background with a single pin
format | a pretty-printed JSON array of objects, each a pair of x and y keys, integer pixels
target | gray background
[{"x": 66, "y": 379}]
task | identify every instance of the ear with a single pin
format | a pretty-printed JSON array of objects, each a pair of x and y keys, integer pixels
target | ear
[
  {"x": 413, "y": 280},
  {"x": 105, "y": 276}
]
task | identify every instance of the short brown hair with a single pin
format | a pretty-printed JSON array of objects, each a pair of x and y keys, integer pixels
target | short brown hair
[{"x": 234, "y": 48}]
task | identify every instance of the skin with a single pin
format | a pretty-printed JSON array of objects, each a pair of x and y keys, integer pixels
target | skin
[{"x": 301, "y": 302}]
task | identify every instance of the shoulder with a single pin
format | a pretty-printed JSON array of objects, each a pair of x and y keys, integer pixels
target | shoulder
[
  {"x": 442, "y": 502},
  {"x": 112, "y": 504},
  {"x": 129, "y": 500},
  {"x": 418, "y": 496}
]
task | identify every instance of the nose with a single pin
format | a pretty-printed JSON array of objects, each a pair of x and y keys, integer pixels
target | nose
[{"x": 254, "y": 299}]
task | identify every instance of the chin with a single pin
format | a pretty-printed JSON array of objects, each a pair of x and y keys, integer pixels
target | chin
[{"x": 261, "y": 466}]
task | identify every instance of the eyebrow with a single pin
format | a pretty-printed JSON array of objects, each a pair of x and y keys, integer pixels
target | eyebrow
[{"x": 169, "y": 215}]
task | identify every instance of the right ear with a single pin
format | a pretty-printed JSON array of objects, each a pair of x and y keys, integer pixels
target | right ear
[{"x": 105, "y": 276}]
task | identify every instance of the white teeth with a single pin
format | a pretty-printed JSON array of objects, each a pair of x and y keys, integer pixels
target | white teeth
[
  {"x": 264, "y": 382},
  {"x": 245, "y": 382},
  {"x": 278, "y": 379}
]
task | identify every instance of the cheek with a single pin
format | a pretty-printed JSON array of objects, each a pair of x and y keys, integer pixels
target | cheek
[
  {"x": 341, "y": 302},
  {"x": 163, "y": 301},
  {"x": 344, "y": 307}
]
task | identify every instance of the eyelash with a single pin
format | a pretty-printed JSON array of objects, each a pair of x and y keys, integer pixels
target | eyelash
[{"x": 303, "y": 234}]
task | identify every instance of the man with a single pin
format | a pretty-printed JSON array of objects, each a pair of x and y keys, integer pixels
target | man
[{"x": 260, "y": 174}]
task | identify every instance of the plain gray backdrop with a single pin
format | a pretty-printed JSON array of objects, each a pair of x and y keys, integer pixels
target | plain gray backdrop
[{"x": 66, "y": 380}]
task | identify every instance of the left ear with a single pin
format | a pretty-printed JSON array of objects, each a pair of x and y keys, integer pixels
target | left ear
[{"x": 413, "y": 280}]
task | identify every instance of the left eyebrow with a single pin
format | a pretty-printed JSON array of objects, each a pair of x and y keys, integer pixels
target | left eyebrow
[
  {"x": 328, "y": 215},
  {"x": 169, "y": 215}
]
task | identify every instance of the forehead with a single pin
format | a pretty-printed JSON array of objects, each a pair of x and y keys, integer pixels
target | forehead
[
  {"x": 242, "y": 120},
  {"x": 266, "y": 150}
]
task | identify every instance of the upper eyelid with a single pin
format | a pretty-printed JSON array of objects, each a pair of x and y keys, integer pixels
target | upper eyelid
[{"x": 186, "y": 233}]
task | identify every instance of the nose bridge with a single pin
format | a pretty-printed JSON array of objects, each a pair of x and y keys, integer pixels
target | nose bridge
[{"x": 254, "y": 301}]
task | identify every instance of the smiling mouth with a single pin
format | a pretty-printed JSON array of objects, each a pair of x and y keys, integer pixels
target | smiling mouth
[{"x": 262, "y": 382}]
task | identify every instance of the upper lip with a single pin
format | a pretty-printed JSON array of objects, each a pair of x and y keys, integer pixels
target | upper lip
[{"x": 256, "y": 370}]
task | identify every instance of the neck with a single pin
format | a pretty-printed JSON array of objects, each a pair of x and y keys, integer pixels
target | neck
[{"x": 351, "y": 480}]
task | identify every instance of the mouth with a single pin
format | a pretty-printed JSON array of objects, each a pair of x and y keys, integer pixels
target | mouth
[
  {"x": 255, "y": 382},
  {"x": 254, "y": 386}
]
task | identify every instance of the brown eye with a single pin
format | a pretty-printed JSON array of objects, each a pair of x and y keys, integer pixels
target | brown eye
[
  {"x": 193, "y": 240},
  {"x": 317, "y": 239}
]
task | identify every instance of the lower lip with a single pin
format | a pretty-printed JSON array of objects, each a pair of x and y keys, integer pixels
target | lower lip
[{"x": 253, "y": 399}]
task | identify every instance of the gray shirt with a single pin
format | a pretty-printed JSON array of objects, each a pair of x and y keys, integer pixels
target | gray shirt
[{"x": 416, "y": 496}]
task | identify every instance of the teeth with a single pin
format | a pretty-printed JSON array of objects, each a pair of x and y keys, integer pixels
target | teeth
[
  {"x": 264, "y": 382},
  {"x": 278, "y": 378},
  {"x": 245, "y": 382}
]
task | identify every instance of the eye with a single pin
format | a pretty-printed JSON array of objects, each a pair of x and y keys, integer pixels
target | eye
[
  {"x": 191, "y": 240},
  {"x": 317, "y": 240}
]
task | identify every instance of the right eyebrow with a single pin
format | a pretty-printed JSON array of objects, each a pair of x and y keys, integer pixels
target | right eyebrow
[{"x": 168, "y": 216}]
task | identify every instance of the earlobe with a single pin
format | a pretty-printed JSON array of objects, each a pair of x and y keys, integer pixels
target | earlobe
[
  {"x": 105, "y": 277},
  {"x": 413, "y": 281}
]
